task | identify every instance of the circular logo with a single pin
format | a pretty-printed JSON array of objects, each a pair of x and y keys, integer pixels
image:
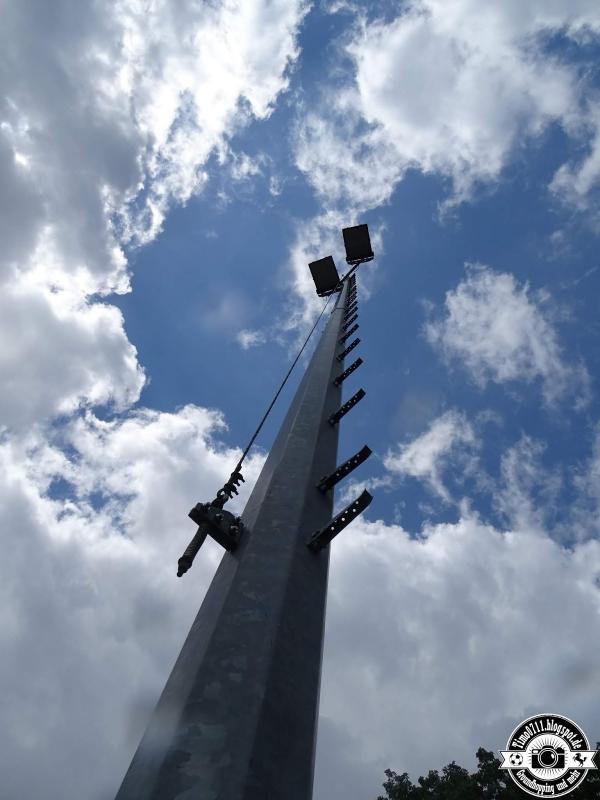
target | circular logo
[{"x": 548, "y": 755}]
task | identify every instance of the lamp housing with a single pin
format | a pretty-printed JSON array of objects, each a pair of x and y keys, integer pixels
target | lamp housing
[
  {"x": 358, "y": 244},
  {"x": 325, "y": 275}
]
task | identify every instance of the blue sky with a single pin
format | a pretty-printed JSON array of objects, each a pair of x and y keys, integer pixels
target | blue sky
[{"x": 168, "y": 171}]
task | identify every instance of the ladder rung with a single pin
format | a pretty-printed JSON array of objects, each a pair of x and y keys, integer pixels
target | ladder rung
[
  {"x": 322, "y": 537},
  {"x": 340, "y": 357},
  {"x": 348, "y": 405},
  {"x": 329, "y": 481},
  {"x": 342, "y": 377},
  {"x": 346, "y": 325},
  {"x": 348, "y": 334}
]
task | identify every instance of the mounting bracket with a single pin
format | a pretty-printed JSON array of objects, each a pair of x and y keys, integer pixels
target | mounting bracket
[
  {"x": 340, "y": 356},
  {"x": 329, "y": 481},
  {"x": 347, "y": 324},
  {"x": 348, "y": 334},
  {"x": 342, "y": 377},
  {"x": 223, "y": 526},
  {"x": 349, "y": 404},
  {"x": 323, "y": 536}
]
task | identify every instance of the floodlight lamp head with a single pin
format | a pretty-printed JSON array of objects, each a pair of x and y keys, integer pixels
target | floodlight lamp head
[
  {"x": 358, "y": 244},
  {"x": 325, "y": 275}
]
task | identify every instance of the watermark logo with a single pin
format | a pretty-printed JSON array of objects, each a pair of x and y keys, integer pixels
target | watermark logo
[{"x": 548, "y": 755}]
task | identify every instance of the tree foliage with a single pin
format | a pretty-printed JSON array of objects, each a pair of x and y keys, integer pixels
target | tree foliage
[{"x": 489, "y": 782}]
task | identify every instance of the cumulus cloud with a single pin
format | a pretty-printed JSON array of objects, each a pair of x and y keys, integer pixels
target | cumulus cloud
[
  {"x": 92, "y": 612},
  {"x": 427, "y": 455},
  {"x": 425, "y": 632},
  {"x": 436, "y": 634},
  {"x": 348, "y": 166},
  {"x": 108, "y": 115},
  {"x": 454, "y": 91},
  {"x": 208, "y": 68},
  {"x": 440, "y": 639},
  {"x": 499, "y": 331},
  {"x": 57, "y": 353},
  {"x": 526, "y": 488}
]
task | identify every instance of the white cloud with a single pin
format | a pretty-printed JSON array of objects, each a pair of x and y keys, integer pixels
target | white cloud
[
  {"x": 497, "y": 331},
  {"x": 337, "y": 6},
  {"x": 248, "y": 339},
  {"x": 108, "y": 115},
  {"x": 585, "y": 520},
  {"x": 527, "y": 493},
  {"x": 426, "y": 456},
  {"x": 57, "y": 353},
  {"x": 92, "y": 613},
  {"x": 577, "y": 182},
  {"x": 314, "y": 239},
  {"x": 208, "y": 68},
  {"x": 451, "y": 639},
  {"x": 224, "y": 311},
  {"x": 348, "y": 166},
  {"x": 526, "y": 489},
  {"x": 276, "y": 183},
  {"x": 453, "y": 90},
  {"x": 244, "y": 166},
  {"x": 426, "y": 634}
]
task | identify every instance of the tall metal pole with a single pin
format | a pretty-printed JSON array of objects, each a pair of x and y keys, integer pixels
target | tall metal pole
[{"x": 237, "y": 718}]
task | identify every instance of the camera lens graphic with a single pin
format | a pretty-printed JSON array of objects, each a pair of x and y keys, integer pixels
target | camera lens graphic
[
  {"x": 542, "y": 753},
  {"x": 548, "y": 757}
]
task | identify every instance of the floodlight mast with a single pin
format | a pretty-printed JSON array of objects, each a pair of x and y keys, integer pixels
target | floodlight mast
[{"x": 237, "y": 718}]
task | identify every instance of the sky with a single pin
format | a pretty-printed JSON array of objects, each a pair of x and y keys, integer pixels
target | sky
[{"x": 167, "y": 172}]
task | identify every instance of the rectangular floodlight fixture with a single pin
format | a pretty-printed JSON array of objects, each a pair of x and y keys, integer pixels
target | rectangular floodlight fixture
[
  {"x": 325, "y": 275},
  {"x": 358, "y": 244}
]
